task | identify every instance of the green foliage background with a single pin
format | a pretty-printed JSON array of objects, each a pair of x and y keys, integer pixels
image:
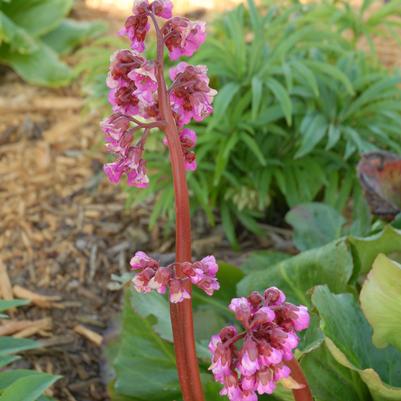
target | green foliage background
[
  {"x": 297, "y": 104},
  {"x": 33, "y": 33}
]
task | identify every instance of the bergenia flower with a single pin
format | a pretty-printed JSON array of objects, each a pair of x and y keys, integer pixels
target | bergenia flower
[
  {"x": 151, "y": 276},
  {"x": 162, "y": 8},
  {"x": 134, "y": 93},
  {"x": 124, "y": 100},
  {"x": 183, "y": 37},
  {"x": 131, "y": 164},
  {"x": 188, "y": 141},
  {"x": 190, "y": 95},
  {"x": 122, "y": 63},
  {"x": 145, "y": 81},
  {"x": 269, "y": 338},
  {"x": 137, "y": 25}
]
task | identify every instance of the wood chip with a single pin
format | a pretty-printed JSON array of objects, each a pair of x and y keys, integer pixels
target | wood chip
[
  {"x": 90, "y": 335},
  {"x": 25, "y": 329},
  {"x": 43, "y": 301},
  {"x": 5, "y": 284}
]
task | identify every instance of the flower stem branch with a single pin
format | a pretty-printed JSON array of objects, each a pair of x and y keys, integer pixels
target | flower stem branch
[
  {"x": 181, "y": 313},
  {"x": 304, "y": 393},
  {"x": 156, "y": 124}
]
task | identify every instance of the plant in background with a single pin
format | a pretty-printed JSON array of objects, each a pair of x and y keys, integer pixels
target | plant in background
[
  {"x": 141, "y": 102},
  {"x": 297, "y": 103},
  {"x": 351, "y": 350},
  {"x": 20, "y": 384},
  {"x": 34, "y": 33}
]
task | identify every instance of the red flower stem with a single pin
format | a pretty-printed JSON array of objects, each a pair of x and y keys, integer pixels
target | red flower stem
[
  {"x": 302, "y": 394},
  {"x": 156, "y": 124},
  {"x": 180, "y": 313}
]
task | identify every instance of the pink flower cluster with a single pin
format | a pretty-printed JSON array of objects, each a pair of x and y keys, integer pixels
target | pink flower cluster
[
  {"x": 269, "y": 339},
  {"x": 134, "y": 89},
  {"x": 152, "y": 276},
  {"x": 190, "y": 95},
  {"x": 118, "y": 138}
]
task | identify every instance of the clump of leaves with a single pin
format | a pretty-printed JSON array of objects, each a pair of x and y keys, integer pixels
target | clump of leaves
[
  {"x": 297, "y": 103},
  {"x": 20, "y": 384},
  {"x": 34, "y": 33},
  {"x": 351, "y": 350}
]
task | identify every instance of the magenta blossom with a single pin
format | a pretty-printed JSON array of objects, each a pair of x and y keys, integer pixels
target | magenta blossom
[
  {"x": 191, "y": 96},
  {"x": 132, "y": 165},
  {"x": 137, "y": 25},
  {"x": 269, "y": 338},
  {"x": 145, "y": 81},
  {"x": 151, "y": 276},
  {"x": 183, "y": 37},
  {"x": 188, "y": 141},
  {"x": 134, "y": 93},
  {"x": 122, "y": 63}
]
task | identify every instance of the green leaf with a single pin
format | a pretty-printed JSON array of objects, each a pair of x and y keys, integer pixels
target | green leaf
[
  {"x": 283, "y": 98},
  {"x": 228, "y": 225},
  {"x": 312, "y": 135},
  {"x": 41, "y": 67},
  {"x": 381, "y": 301},
  {"x": 261, "y": 260},
  {"x": 28, "y": 388},
  {"x": 331, "y": 72},
  {"x": 223, "y": 100},
  {"x": 145, "y": 363},
  {"x": 154, "y": 304},
  {"x": 315, "y": 224},
  {"x": 257, "y": 88},
  {"x": 329, "y": 380},
  {"x": 365, "y": 250},
  {"x": 71, "y": 33},
  {"x": 5, "y": 305},
  {"x": 16, "y": 37},
  {"x": 330, "y": 264},
  {"x": 11, "y": 345},
  {"x": 307, "y": 75},
  {"x": 37, "y": 16},
  {"x": 5, "y": 360},
  {"x": 334, "y": 136},
  {"x": 349, "y": 339},
  {"x": 253, "y": 147}
]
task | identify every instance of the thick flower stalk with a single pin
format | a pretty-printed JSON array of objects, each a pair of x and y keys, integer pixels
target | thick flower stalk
[
  {"x": 141, "y": 102},
  {"x": 252, "y": 361}
]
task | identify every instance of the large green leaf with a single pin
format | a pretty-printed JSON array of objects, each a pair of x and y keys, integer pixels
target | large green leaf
[
  {"x": 11, "y": 345},
  {"x": 7, "y": 359},
  {"x": 349, "y": 339},
  {"x": 156, "y": 305},
  {"x": 381, "y": 301},
  {"x": 70, "y": 33},
  {"x": 262, "y": 260},
  {"x": 331, "y": 264},
  {"x": 37, "y": 17},
  {"x": 387, "y": 241},
  {"x": 145, "y": 363},
  {"x": 315, "y": 224},
  {"x": 16, "y": 37},
  {"x": 29, "y": 387},
  {"x": 41, "y": 67},
  {"x": 331, "y": 381}
]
